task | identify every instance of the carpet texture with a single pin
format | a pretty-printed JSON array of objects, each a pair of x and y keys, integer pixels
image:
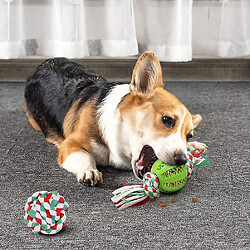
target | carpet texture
[{"x": 220, "y": 219}]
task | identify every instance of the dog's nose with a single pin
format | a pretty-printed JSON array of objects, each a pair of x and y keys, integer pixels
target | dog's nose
[{"x": 180, "y": 159}]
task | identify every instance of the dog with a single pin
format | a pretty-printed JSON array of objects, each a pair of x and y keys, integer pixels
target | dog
[{"x": 95, "y": 122}]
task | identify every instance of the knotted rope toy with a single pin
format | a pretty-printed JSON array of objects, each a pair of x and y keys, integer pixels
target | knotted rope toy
[
  {"x": 46, "y": 212},
  {"x": 163, "y": 177}
]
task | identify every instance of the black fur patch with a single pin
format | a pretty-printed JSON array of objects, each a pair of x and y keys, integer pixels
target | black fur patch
[{"x": 55, "y": 86}]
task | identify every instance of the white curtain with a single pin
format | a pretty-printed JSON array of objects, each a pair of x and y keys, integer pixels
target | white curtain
[
  {"x": 221, "y": 28},
  {"x": 165, "y": 27},
  {"x": 70, "y": 28},
  {"x": 176, "y": 30}
]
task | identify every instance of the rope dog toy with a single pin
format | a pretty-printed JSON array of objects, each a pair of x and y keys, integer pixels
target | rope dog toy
[
  {"x": 163, "y": 177},
  {"x": 46, "y": 212}
]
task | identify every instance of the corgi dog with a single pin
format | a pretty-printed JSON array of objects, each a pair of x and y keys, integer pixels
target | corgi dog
[{"x": 95, "y": 122}]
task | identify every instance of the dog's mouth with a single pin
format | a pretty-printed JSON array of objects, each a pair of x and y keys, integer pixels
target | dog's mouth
[{"x": 146, "y": 160}]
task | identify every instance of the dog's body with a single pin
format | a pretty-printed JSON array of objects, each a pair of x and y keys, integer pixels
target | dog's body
[{"x": 93, "y": 121}]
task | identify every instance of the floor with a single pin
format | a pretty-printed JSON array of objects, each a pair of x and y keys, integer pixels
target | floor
[{"x": 219, "y": 220}]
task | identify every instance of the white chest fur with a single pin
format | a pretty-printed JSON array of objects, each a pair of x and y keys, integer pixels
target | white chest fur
[{"x": 111, "y": 125}]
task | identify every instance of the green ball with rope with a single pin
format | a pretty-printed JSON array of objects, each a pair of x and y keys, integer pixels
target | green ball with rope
[{"x": 163, "y": 177}]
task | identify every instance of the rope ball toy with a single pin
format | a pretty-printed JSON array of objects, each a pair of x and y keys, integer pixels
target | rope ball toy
[
  {"x": 163, "y": 177},
  {"x": 46, "y": 212}
]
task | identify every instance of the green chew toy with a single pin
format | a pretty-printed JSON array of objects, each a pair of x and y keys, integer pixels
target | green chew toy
[
  {"x": 163, "y": 177},
  {"x": 171, "y": 178}
]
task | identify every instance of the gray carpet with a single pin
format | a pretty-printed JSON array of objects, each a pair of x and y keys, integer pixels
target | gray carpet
[{"x": 220, "y": 219}]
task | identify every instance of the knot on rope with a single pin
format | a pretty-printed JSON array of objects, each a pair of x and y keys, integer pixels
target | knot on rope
[
  {"x": 151, "y": 184},
  {"x": 46, "y": 212},
  {"x": 195, "y": 160},
  {"x": 136, "y": 195}
]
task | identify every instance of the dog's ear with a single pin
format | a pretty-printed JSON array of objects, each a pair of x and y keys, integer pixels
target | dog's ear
[
  {"x": 196, "y": 120},
  {"x": 147, "y": 75}
]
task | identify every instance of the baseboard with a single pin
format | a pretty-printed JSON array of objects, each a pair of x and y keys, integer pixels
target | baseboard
[{"x": 121, "y": 69}]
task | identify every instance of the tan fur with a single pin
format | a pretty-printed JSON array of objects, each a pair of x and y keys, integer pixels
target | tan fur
[
  {"x": 167, "y": 104},
  {"x": 187, "y": 126},
  {"x": 196, "y": 120},
  {"x": 54, "y": 139},
  {"x": 147, "y": 75},
  {"x": 160, "y": 103},
  {"x": 31, "y": 120},
  {"x": 78, "y": 137},
  {"x": 70, "y": 120}
]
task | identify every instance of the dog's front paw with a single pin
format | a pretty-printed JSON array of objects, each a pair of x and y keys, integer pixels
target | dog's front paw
[
  {"x": 91, "y": 178},
  {"x": 194, "y": 145},
  {"x": 83, "y": 165}
]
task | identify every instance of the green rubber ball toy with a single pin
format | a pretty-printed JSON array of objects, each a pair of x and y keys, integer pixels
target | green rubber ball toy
[{"x": 171, "y": 178}]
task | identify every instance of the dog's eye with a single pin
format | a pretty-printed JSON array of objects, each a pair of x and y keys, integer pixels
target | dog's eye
[
  {"x": 189, "y": 136},
  {"x": 168, "y": 121}
]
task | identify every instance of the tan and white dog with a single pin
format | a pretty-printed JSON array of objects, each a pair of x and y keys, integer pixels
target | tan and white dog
[{"x": 92, "y": 121}]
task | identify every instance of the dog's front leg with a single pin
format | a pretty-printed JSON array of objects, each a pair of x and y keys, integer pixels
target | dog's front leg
[
  {"x": 74, "y": 158},
  {"x": 194, "y": 145}
]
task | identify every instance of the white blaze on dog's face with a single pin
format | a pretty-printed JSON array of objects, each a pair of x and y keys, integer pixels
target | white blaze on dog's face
[{"x": 155, "y": 117}]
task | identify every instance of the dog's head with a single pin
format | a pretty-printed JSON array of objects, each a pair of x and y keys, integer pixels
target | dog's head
[{"x": 157, "y": 123}]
